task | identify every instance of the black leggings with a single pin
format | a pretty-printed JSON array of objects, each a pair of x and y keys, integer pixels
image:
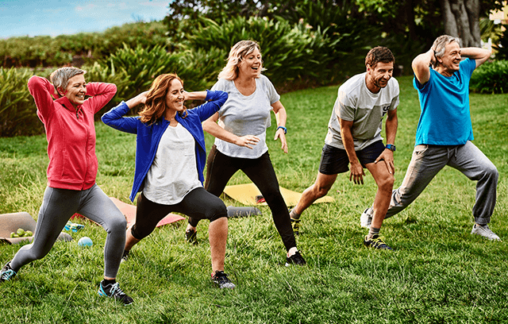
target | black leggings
[
  {"x": 220, "y": 168},
  {"x": 198, "y": 203}
]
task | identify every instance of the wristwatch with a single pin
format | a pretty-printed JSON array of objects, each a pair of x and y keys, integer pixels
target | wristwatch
[
  {"x": 283, "y": 128},
  {"x": 391, "y": 147}
]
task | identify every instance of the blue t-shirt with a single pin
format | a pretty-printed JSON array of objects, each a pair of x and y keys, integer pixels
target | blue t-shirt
[{"x": 444, "y": 101}]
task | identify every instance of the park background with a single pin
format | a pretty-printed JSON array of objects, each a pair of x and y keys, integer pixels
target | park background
[{"x": 439, "y": 273}]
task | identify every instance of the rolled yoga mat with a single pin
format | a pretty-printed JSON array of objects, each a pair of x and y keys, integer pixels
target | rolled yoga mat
[{"x": 243, "y": 211}]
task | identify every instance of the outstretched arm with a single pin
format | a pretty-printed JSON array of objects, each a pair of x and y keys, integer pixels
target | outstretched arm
[
  {"x": 421, "y": 66},
  {"x": 480, "y": 55}
]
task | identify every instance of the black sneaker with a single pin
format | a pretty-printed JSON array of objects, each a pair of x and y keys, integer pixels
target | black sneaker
[
  {"x": 296, "y": 225},
  {"x": 114, "y": 291},
  {"x": 125, "y": 256},
  {"x": 295, "y": 259},
  {"x": 7, "y": 273},
  {"x": 376, "y": 242},
  {"x": 222, "y": 280},
  {"x": 191, "y": 237}
]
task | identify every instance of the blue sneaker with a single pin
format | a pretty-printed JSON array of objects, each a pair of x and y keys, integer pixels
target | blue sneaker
[
  {"x": 114, "y": 291},
  {"x": 7, "y": 273},
  {"x": 70, "y": 226}
]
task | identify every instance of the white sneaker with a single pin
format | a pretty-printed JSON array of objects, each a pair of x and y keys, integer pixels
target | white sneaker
[
  {"x": 485, "y": 231},
  {"x": 366, "y": 218}
]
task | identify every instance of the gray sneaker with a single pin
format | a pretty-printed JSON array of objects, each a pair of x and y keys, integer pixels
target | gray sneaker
[
  {"x": 485, "y": 231},
  {"x": 366, "y": 218}
]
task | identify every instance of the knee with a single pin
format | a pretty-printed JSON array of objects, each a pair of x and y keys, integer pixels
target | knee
[
  {"x": 118, "y": 223},
  {"x": 320, "y": 191},
  {"x": 491, "y": 172},
  {"x": 216, "y": 212},
  {"x": 386, "y": 184}
]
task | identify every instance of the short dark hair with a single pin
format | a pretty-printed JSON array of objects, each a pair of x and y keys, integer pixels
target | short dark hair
[{"x": 379, "y": 54}]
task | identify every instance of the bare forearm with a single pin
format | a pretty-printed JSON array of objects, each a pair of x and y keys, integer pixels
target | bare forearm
[
  {"x": 349, "y": 144},
  {"x": 475, "y": 53},
  {"x": 423, "y": 60},
  {"x": 137, "y": 100},
  {"x": 391, "y": 129},
  {"x": 216, "y": 131},
  {"x": 281, "y": 117},
  {"x": 198, "y": 95}
]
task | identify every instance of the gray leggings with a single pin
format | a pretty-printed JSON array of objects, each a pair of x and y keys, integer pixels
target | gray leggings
[
  {"x": 428, "y": 160},
  {"x": 56, "y": 209}
]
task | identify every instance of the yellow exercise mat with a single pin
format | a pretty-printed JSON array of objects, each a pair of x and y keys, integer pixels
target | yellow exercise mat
[{"x": 249, "y": 194}]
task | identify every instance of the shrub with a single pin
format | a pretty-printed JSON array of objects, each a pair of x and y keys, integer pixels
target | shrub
[
  {"x": 491, "y": 77},
  {"x": 58, "y": 51},
  {"x": 18, "y": 113},
  {"x": 289, "y": 52}
]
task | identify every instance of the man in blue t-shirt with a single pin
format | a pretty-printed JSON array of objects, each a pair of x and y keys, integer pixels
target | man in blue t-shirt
[{"x": 444, "y": 132}]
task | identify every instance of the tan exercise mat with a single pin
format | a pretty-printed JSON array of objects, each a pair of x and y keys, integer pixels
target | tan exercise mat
[
  {"x": 247, "y": 193},
  {"x": 11, "y": 222}
]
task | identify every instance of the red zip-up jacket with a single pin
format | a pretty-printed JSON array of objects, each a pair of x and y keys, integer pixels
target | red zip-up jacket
[{"x": 70, "y": 133}]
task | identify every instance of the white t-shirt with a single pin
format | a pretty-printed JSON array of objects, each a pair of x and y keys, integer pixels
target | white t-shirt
[
  {"x": 356, "y": 103},
  {"x": 173, "y": 173},
  {"x": 246, "y": 115}
]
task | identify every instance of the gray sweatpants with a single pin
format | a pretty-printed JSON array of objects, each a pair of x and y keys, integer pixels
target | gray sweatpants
[
  {"x": 57, "y": 207},
  {"x": 428, "y": 160}
]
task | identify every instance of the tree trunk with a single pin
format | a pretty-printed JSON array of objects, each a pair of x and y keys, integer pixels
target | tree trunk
[{"x": 461, "y": 19}]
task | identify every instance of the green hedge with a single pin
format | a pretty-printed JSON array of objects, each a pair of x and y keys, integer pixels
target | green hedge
[
  {"x": 491, "y": 77},
  {"x": 18, "y": 114},
  {"x": 58, "y": 51}
]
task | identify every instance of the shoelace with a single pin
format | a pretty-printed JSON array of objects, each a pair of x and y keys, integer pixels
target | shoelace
[
  {"x": 8, "y": 274},
  {"x": 115, "y": 290}
]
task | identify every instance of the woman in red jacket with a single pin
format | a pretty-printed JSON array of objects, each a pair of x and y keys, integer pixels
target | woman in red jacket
[{"x": 70, "y": 131}]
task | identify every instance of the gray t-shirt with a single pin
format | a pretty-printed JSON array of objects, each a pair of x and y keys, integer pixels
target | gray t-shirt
[
  {"x": 246, "y": 115},
  {"x": 356, "y": 103},
  {"x": 173, "y": 173}
]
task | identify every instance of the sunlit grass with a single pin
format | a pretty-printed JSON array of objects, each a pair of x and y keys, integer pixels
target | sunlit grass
[{"x": 438, "y": 273}]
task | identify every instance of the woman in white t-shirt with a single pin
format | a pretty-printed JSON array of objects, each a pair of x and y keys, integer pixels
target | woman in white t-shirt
[{"x": 251, "y": 97}]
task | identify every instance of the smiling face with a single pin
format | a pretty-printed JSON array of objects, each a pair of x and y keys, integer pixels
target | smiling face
[
  {"x": 451, "y": 58},
  {"x": 175, "y": 97},
  {"x": 76, "y": 89},
  {"x": 251, "y": 64},
  {"x": 379, "y": 76}
]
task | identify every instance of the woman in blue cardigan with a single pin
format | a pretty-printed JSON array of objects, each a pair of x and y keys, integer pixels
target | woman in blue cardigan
[{"x": 170, "y": 157}]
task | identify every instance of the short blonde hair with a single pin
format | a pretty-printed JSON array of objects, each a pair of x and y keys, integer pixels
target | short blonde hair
[
  {"x": 60, "y": 78},
  {"x": 237, "y": 52}
]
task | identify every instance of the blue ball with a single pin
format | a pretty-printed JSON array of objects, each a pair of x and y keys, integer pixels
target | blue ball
[{"x": 85, "y": 241}]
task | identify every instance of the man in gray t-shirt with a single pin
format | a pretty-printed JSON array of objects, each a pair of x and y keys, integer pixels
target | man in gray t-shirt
[{"x": 354, "y": 137}]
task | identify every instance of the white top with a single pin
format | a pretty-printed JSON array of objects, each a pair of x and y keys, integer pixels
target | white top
[
  {"x": 356, "y": 103},
  {"x": 173, "y": 173},
  {"x": 246, "y": 115}
]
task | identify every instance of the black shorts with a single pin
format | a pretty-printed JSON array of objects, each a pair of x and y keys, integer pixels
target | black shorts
[{"x": 335, "y": 160}]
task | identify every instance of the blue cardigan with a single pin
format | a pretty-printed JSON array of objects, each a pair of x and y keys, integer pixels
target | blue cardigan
[{"x": 148, "y": 136}]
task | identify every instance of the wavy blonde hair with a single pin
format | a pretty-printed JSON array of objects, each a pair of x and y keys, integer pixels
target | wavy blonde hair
[
  {"x": 236, "y": 54},
  {"x": 155, "y": 104}
]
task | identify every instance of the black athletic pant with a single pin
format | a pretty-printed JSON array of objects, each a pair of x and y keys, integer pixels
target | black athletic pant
[
  {"x": 220, "y": 168},
  {"x": 198, "y": 204}
]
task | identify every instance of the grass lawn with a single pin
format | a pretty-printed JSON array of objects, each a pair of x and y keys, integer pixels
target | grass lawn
[{"x": 439, "y": 272}]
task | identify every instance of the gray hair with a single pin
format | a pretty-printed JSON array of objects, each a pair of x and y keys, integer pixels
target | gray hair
[
  {"x": 238, "y": 51},
  {"x": 60, "y": 78},
  {"x": 440, "y": 46}
]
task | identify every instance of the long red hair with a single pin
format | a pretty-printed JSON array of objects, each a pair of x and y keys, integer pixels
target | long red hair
[{"x": 155, "y": 105}]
